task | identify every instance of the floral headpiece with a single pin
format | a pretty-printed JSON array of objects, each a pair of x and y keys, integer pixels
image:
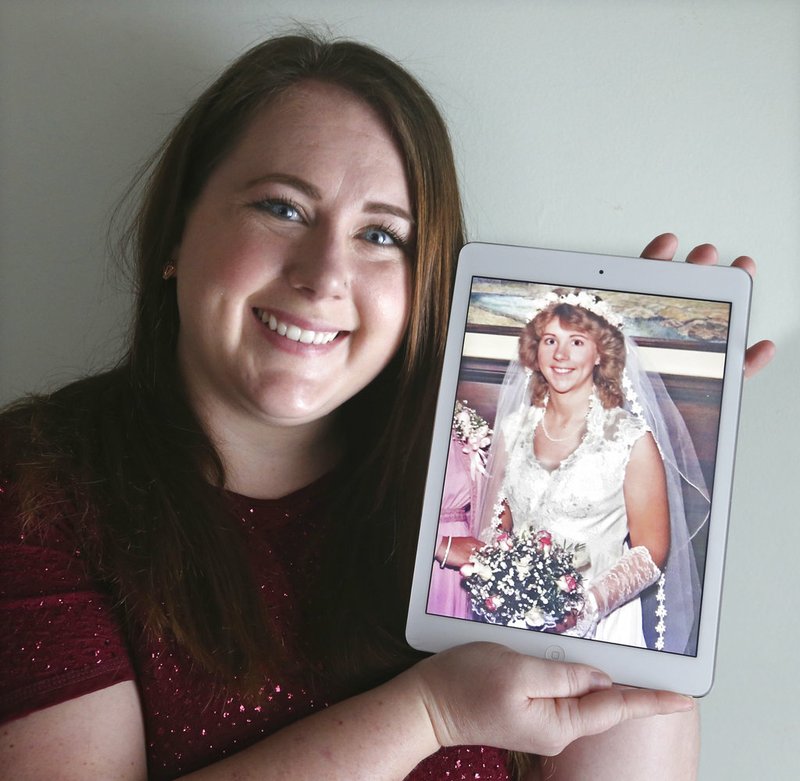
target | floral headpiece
[{"x": 582, "y": 299}]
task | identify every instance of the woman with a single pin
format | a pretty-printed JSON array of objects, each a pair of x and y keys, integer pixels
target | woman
[
  {"x": 207, "y": 545},
  {"x": 470, "y": 438},
  {"x": 584, "y": 468}
]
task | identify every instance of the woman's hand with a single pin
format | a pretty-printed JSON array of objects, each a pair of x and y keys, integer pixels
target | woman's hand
[
  {"x": 486, "y": 694},
  {"x": 663, "y": 247},
  {"x": 460, "y": 549}
]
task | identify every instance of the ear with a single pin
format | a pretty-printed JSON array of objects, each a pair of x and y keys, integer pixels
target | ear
[{"x": 170, "y": 269}]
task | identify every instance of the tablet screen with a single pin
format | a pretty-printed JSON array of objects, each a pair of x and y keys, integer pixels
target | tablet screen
[{"x": 539, "y": 503}]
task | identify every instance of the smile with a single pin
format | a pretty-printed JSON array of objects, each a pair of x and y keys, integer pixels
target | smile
[
  {"x": 293, "y": 332},
  {"x": 560, "y": 370}
]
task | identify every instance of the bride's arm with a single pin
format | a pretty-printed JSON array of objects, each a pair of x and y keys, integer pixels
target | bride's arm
[{"x": 646, "y": 503}]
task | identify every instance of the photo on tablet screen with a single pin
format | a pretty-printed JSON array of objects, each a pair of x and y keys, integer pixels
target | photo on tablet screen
[{"x": 532, "y": 513}]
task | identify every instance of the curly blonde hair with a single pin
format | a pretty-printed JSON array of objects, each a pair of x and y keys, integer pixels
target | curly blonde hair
[{"x": 610, "y": 348}]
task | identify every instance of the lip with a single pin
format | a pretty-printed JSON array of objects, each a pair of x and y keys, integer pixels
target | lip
[{"x": 295, "y": 334}]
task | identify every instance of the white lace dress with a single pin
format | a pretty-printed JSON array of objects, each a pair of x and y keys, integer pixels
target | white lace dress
[{"x": 581, "y": 500}]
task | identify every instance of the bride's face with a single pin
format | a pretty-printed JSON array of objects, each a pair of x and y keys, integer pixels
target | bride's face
[{"x": 567, "y": 358}]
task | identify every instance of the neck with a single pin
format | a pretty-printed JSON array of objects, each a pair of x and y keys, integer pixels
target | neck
[
  {"x": 265, "y": 461},
  {"x": 565, "y": 407}
]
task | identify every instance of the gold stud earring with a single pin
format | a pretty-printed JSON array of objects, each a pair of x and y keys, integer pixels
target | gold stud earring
[{"x": 168, "y": 272}]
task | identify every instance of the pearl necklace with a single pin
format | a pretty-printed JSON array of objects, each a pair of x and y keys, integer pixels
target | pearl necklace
[
  {"x": 556, "y": 439},
  {"x": 569, "y": 436}
]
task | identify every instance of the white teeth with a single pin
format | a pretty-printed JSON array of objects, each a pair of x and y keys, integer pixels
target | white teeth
[{"x": 294, "y": 332}]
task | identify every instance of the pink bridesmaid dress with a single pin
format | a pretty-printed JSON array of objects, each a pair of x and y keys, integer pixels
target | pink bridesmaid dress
[{"x": 446, "y": 596}]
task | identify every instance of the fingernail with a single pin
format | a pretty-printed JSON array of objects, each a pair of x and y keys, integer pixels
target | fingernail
[{"x": 686, "y": 703}]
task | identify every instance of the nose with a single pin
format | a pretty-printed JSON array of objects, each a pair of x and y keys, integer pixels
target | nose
[
  {"x": 561, "y": 352},
  {"x": 320, "y": 266}
]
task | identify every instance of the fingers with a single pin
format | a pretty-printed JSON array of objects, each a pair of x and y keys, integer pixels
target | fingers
[
  {"x": 662, "y": 247},
  {"x": 602, "y": 710},
  {"x": 758, "y": 356},
  {"x": 746, "y": 263},
  {"x": 703, "y": 255}
]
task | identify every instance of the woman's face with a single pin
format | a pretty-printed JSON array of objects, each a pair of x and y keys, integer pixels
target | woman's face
[
  {"x": 293, "y": 279},
  {"x": 566, "y": 358}
]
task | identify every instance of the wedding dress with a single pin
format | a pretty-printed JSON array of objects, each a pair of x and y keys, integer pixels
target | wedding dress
[{"x": 581, "y": 500}]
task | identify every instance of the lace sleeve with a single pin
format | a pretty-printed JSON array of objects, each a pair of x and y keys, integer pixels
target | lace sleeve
[{"x": 633, "y": 572}]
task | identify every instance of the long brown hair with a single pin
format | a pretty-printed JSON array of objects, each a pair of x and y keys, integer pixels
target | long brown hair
[{"x": 126, "y": 450}]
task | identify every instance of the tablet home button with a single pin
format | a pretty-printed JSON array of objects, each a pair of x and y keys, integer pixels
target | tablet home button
[{"x": 555, "y": 653}]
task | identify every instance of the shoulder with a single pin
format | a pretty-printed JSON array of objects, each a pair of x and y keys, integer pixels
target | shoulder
[
  {"x": 619, "y": 425},
  {"x": 52, "y": 602}
]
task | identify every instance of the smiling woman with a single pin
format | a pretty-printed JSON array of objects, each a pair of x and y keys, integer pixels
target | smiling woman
[
  {"x": 207, "y": 550},
  {"x": 293, "y": 284},
  {"x": 576, "y": 463}
]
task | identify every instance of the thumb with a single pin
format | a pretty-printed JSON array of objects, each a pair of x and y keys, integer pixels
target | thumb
[{"x": 601, "y": 710}]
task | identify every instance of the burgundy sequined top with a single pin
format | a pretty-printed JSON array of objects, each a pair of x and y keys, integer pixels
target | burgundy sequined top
[{"x": 60, "y": 638}]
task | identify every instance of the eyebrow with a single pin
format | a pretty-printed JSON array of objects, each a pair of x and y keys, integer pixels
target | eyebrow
[
  {"x": 378, "y": 207},
  {"x": 292, "y": 181},
  {"x": 372, "y": 207},
  {"x": 581, "y": 334}
]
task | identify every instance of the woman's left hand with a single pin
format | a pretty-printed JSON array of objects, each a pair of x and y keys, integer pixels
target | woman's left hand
[{"x": 663, "y": 247}]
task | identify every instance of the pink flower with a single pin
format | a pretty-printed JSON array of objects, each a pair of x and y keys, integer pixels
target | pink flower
[
  {"x": 504, "y": 542},
  {"x": 544, "y": 541},
  {"x": 567, "y": 583},
  {"x": 492, "y": 603}
]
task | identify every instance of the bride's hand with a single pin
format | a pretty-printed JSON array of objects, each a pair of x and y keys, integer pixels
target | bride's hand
[
  {"x": 663, "y": 247},
  {"x": 486, "y": 694}
]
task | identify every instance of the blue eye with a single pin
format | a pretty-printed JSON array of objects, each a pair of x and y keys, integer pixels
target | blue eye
[
  {"x": 382, "y": 236},
  {"x": 280, "y": 208}
]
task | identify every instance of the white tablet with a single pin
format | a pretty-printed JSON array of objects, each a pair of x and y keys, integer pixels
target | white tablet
[{"x": 579, "y": 483}]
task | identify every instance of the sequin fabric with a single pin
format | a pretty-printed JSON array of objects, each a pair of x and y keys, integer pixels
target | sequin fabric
[{"x": 60, "y": 638}]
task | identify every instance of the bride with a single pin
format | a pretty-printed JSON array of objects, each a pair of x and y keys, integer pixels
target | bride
[{"x": 579, "y": 457}]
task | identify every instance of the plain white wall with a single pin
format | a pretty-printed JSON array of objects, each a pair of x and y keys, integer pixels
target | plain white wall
[{"x": 580, "y": 125}]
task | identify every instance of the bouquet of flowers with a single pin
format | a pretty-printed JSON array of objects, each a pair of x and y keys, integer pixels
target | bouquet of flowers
[
  {"x": 524, "y": 580},
  {"x": 474, "y": 434}
]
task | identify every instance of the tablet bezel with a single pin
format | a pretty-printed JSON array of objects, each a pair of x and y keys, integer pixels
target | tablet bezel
[{"x": 692, "y": 675}]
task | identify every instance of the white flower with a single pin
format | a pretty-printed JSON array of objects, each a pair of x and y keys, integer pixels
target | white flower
[
  {"x": 483, "y": 571},
  {"x": 534, "y": 617}
]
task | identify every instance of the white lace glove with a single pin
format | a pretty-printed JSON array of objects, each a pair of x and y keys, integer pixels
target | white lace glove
[{"x": 631, "y": 575}]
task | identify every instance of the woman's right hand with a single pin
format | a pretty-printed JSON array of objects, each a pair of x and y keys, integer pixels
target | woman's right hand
[{"x": 486, "y": 694}]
